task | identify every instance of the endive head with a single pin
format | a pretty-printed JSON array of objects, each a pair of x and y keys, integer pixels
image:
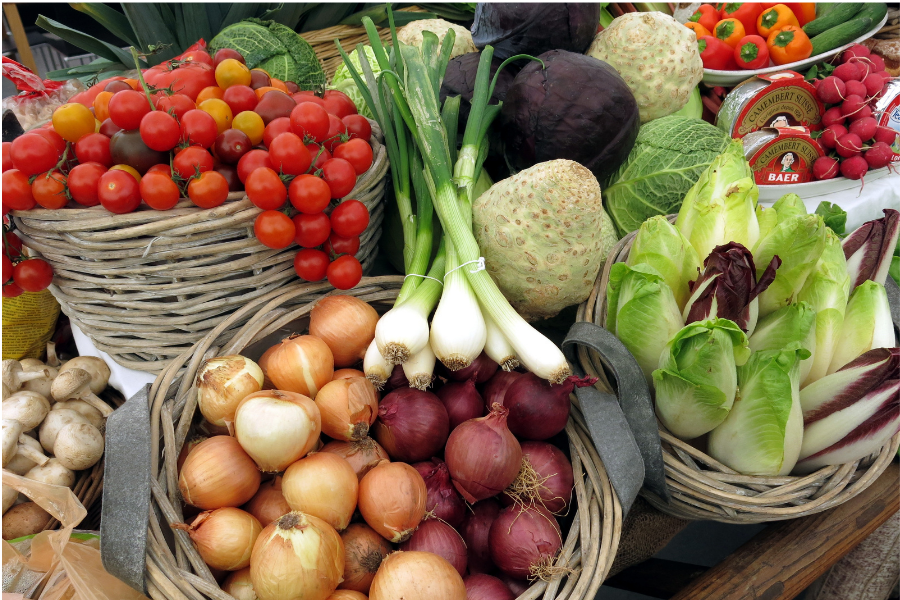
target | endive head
[{"x": 659, "y": 244}]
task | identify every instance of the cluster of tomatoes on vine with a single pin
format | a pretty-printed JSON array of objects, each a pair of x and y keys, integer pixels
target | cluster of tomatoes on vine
[
  {"x": 22, "y": 274},
  {"x": 217, "y": 126}
]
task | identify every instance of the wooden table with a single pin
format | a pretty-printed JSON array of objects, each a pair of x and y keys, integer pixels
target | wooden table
[{"x": 781, "y": 561}]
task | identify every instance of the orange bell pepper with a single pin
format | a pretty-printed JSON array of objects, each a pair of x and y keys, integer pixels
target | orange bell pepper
[
  {"x": 707, "y": 15},
  {"x": 788, "y": 44},
  {"x": 745, "y": 12},
  {"x": 730, "y": 31},
  {"x": 775, "y": 18},
  {"x": 804, "y": 11},
  {"x": 698, "y": 29}
]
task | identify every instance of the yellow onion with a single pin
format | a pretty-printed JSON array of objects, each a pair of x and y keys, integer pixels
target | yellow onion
[
  {"x": 347, "y": 595},
  {"x": 347, "y": 374},
  {"x": 364, "y": 550},
  {"x": 224, "y": 537},
  {"x": 346, "y": 324},
  {"x": 299, "y": 556},
  {"x": 392, "y": 500},
  {"x": 222, "y": 383},
  {"x": 276, "y": 428},
  {"x": 218, "y": 473},
  {"x": 323, "y": 485},
  {"x": 263, "y": 363},
  {"x": 268, "y": 504},
  {"x": 186, "y": 449},
  {"x": 417, "y": 576},
  {"x": 362, "y": 454},
  {"x": 348, "y": 407},
  {"x": 239, "y": 585},
  {"x": 300, "y": 364}
]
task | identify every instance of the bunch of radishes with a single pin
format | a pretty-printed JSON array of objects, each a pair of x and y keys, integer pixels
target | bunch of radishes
[{"x": 852, "y": 132}]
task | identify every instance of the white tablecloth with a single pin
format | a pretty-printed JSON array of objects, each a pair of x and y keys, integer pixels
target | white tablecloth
[{"x": 127, "y": 381}]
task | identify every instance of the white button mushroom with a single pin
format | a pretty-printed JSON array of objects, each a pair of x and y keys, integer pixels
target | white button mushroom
[
  {"x": 78, "y": 446},
  {"x": 42, "y": 384},
  {"x": 28, "y": 408},
  {"x": 96, "y": 367},
  {"x": 14, "y": 376},
  {"x": 56, "y": 420},
  {"x": 29, "y": 453},
  {"x": 53, "y": 473},
  {"x": 11, "y": 430},
  {"x": 75, "y": 384},
  {"x": 84, "y": 409}
]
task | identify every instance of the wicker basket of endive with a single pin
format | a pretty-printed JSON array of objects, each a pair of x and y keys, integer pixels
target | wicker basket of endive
[{"x": 773, "y": 371}]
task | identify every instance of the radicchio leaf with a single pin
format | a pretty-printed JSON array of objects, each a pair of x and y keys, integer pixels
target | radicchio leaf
[{"x": 868, "y": 250}]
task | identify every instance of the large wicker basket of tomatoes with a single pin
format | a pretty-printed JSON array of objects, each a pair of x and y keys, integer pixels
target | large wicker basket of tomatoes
[{"x": 164, "y": 203}]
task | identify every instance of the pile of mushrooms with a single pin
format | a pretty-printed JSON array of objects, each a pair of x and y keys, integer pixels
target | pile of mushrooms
[{"x": 52, "y": 426}]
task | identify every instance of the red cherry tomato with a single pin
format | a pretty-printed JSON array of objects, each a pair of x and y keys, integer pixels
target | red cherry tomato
[
  {"x": 309, "y": 194},
  {"x": 223, "y": 53},
  {"x": 17, "y": 191},
  {"x": 49, "y": 190},
  {"x": 231, "y": 145},
  {"x": 7, "y": 268},
  {"x": 240, "y": 98},
  {"x": 160, "y": 131},
  {"x": 190, "y": 159},
  {"x": 356, "y": 152},
  {"x": 209, "y": 190},
  {"x": 176, "y": 105},
  {"x": 275, "y": 128},
  {"x": 252, "y": 161},
  {"x": 312, "y": 230},
  {"x": 308, "y": 97},
  {"x": 12, "y": 244},
  {"x": 84, "y": 180},
  {"x": 197, "y": 56},
  {"x": 265, "y": 189},
  {"x": 344, "y": 272},
  {"x": 119, "y": 192},
  {"x": 319, "y": 155},
  {"x": 199, "y": 128},
  {"x": 337, "y": 133},
  {"x": 51, "y": 136},
  {"x": 109, "y": 129},
  {"x": 340, "y": 177},
  {"x": 11, "y": 290},
  {"x": 161, "y": 168},
  {"x": 187, "y": 78},
  {"x": 7, "y": 159},
  {"x": 274, "y": 229},
  {"x": 159, "y": 191},
  {"x": 127, "y": 108},
  {"x": 310, "y": 120},
  {"x": 358, "y": 127},
  {"x": 350, "y": 218},
  {"x": 94, "y": 147},
  {"x": 288, "y": 154},
  {"x": 337, "y": 245},
  {"x": 116, "y": 86},
  {"x": 339, "y": 104},
  {"x": 33, "y": 275},
  {"x": 32, "y": 154},
  {"x": 311, "y": 265}
]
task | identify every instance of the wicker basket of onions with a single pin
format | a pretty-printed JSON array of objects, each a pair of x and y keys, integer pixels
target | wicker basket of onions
[{"x": 285, "y": 472}]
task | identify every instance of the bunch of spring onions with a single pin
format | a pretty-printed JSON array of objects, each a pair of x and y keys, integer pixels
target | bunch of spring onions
[{"x": 427, "y": 169}]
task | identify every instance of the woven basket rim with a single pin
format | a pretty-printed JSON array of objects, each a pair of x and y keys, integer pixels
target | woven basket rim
[
  {"x": 703, "y": 488},
  {"x": 588, "y": 550}
]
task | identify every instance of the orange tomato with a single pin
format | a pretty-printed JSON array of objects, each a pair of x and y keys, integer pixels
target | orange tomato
[
  {"x": 209, "y": 93},
  {"x": 218, "y": 110},
  {"x": 101, "y": 105},
  {"x": 134, "y": 83},
  {"x": 128, "y": 169},
  {"x": 278, "y": 84},
  {"x": 251, "y": 124},
  {"x": 260, "y": 92},
  {"x": 698, "y": 29},
  {"x": 231, "y": 72}
]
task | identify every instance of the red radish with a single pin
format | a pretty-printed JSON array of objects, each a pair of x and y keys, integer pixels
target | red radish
[
  {"x": 864, "y": 128},
  {"x": 856, "y": 50},
  {"x": 831, "y": 134},
  {"x": 825, "y": 167},
  {"x": 848, "y": 71},
  {"x": 495, "y": 389},
  {"x": 442, "y": 498},
  {"x": 852, "y": 105},
  {"x": 462, "y": 401},
  {"x": 877, "y": 62},
  {"x": 864, "y": 112},
  {"x": 849, "y": 145},
  {"x": 855, "y": 88},
  {"x": 438, "y": 538},
  {"x": 877, "y": 157},
  {"x": 873, "y": 84},
  {"x": 833, "y": 116},
  {"x": 475, "y": 532},
  {"x": 855, "y": 167},
  {"x": 883, "y": 134},
  {"x": 864, "y": 65},
  {"x": 831, "y": 90}
]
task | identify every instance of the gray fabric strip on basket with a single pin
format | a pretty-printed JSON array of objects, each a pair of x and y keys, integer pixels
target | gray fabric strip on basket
[{"x": 622, "y": 424}]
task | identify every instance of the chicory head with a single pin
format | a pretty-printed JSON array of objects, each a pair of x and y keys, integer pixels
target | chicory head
[
  {"x": 789, "y": 205},
  {"x": 867, "y": 325},
  {"x": 792, "y": 323},
  {"x": 869, "y": 249},
  {"x": 659, "y": 244}
]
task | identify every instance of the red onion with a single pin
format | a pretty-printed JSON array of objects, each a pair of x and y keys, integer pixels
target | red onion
[
  {"x": 538, "y": 409},
  {"x": 518, "y": 586},
  {"x": 443, "y": 499},
  {"x": 475, "y": 532},
  {"x": 523, "y": 541},
  {"x": 439, "y": 538},
  {"x": 412, "y": 425},
  {"x": 486, "y": 587},
  {"x": 462, "y": 401},
  {"x": 397, "y": 380},
  {"x": 495, "y": 389},
  {"x": 483, "y": 456},
  {"x": 546, "y": 478},
  {"x": 483, "y": 367}
]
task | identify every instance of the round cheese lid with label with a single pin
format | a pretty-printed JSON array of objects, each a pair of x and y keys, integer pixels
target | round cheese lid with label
[
  {"x": 781, "y": 156},
  {"x": 779, "y": 100}
]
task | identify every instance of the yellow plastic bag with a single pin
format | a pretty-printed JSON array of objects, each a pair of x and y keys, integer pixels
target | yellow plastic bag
[{"x": 28, "y": 324}]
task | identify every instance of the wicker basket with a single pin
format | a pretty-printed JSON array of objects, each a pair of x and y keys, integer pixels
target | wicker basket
[
  {"x": 703, "y": 488},
  {"x": 145, "y": 286},
  {"x": 589, "y": 547}
]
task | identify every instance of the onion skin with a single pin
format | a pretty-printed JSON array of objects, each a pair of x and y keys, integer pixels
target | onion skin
[
  {"x": 347, "y": 595},
  {"x": 362, "y": 455},
  {"x": 322, "y": 485},
  {"x": 218, "y": 473},
  {"x": 412, "y": 425},
  {"x": 518, "y": 586},
  {"x": 494, "y": 390},
  {"x": 462, "y": 401},
  {"x": 522, "y": 540},
  {"x": 239, "y": 585},
  {"x": 417, "y": 576},
  {"x": 483, "y": 456},
  {"x": 346, "y": 324},
  {"x": 224, "y": 537},
  {"x": 301, "y": 364},
  {"x": 443, "y": 500},
  {"x": 268, "y": 504},
  {"x": 277, "y": 428},
  {"x": 553, "y": 470},
  {"x": 348, "y": 407},
  {"x": 347, "y": 374},
  {"x": 538, "y": 410},
  {"x": 223, "y": 382},
  {"x": 481, "y": 586},
  {"x": 392, "y": 500},
  {"x": 397, "y": 380},
  {"x": 482, "y": 368},
  {"x": 364, "y": 549},
  {"x": 297, "y": 556},
  {"x": 475, "y": 532},
  {"x": 186, "y": 449},
  {"x": 439, "y": 538},
  {"x": 263, "y": 363}
]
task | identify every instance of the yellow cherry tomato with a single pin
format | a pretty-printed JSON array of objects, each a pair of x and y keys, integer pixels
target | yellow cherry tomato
[
  {"x": 251, "y": 124},
  {"x": 231, "y": 72},
  {"x": 209, "y": 93},
  {"x": 97, "y": 126},
  {"x": 72, "y": 121},
  {"x": 128, "y": 169},
  {"x": 101, "y": 105},
  {"x": 218, "y": 110}
]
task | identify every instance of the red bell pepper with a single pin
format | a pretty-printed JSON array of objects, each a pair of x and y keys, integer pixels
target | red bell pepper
[
  {"x": 706, "y": 15},
  {"x": 751, "y": 53},
  {"x": 745, "y": 12},
  {"x": 716, "y": 54}
]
